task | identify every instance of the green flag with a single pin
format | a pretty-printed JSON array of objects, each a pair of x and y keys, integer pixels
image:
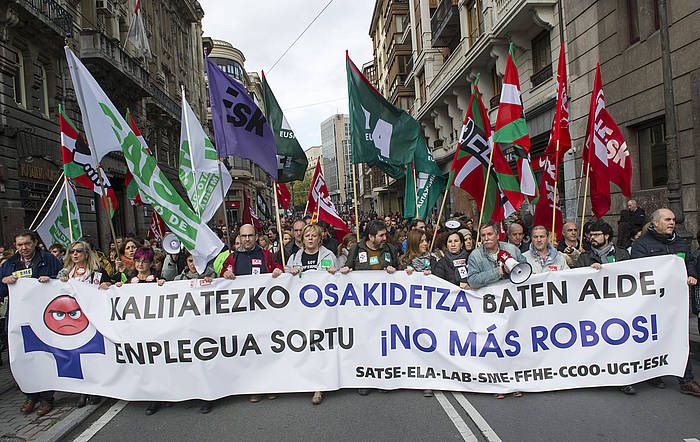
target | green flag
[
  {"x": 431, "y": 184},
  {"x": 291, "y": 159},
  {"x": 58, "y": 226},
  {"x": 382, "y": 135}
]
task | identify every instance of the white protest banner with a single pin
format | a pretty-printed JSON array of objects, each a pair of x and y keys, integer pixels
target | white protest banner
[{"x": 186, "y": 339}]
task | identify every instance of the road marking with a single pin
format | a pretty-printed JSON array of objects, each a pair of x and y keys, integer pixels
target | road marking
[
  {"x": 691, "y": 440},
  {"x": 478, "y": 419},
  {"x": 454, "y": 416},
  {"x": 101, "y": 422}
]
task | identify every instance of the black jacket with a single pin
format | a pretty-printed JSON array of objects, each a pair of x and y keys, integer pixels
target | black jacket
[
  {"x": 43, "y": 264},
  {"x": 388, "y": 256},
  {"x": 637, "y": 218},
  {"x": 655, "y": 244},
  {"x": 445, "y": 269},
  {"x": 588, "y": 257}
]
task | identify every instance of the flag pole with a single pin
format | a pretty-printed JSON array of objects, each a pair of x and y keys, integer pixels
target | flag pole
[
  {"x": 189, "y": 146},
  {"x": 556, "y": 187},
  {"x": 223, "y": 200},
  {"x": 415, "y": 187},
  {"x": 279, "y": 224},
  {"x": 442, "y": 206},
  {"x": 70, "y": 223},
  {"x": 583, "y": 214},
  {"x": 109, "y": 203},
  {"x": 354, "y": 192},
  {"x": 483, "y": 198},
  {"x": 48, "y": 197}
]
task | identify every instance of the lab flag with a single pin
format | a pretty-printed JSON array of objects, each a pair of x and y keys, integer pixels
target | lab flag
[
  {"x": 79, "y": 163},
  {"x": 61, "y": 225},
  {"x": 321, "y": 206},
  {"x": 199, "y": 166}
]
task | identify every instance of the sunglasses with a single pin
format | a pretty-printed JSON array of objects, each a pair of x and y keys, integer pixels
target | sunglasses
[{"x": 77, "y": 251}]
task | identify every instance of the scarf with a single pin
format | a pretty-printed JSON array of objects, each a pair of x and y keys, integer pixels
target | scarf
[
  {"x": 452, "y": 257},
  {"x": 603, "y": 252}
]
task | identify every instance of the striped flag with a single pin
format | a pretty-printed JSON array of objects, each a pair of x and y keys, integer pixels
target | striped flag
[
  {"x": 79, "y": 163},
  {"x": 471, "y": 160},
  {"x": 511, "y": 128},
  {"x": 132, "y": 189}
]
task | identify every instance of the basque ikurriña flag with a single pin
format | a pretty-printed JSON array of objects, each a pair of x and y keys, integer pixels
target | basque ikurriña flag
[
  {"x": 79, "y": 163},
  {"x": 240, "y": 127}
]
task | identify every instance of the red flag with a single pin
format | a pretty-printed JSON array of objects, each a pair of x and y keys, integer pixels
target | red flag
[
  {"x": 312, "y": 206},
  {"x": 543, "y": 210},
  {"x": 283, "y": 196},
  {"x": 605, "y": 152},
  {"x": 560, "y": 124},
  {"x": 156, "y": 227},
  {"x": 249, "y": 216},
  {"x": 322, "y": 207}
]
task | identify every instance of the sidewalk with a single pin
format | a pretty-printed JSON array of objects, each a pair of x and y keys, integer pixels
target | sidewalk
[{"x": 15, "y": 426}]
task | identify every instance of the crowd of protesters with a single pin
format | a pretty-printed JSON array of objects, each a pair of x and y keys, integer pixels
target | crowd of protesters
[{"x": 389, "y": 243}]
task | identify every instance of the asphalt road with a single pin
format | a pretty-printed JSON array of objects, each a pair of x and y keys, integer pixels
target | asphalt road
[{"x": 587, "y": 414}]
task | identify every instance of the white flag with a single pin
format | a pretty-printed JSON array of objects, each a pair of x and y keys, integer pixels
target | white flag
[
  {"x": 199, "y": 168},
  {"x": 58, "y": 226},
  {"x": 98, "y": 125},
  {"x": 105, "y": 127},
  {"x": 137, "y": 33}
]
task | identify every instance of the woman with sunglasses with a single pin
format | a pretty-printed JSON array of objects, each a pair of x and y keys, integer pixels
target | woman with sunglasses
[{"x": 80, "y": 264}]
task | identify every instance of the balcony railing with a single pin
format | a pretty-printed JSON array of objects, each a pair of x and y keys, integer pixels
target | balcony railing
[
  {"x": 398, "y": 82},
  {"x": 409, "y": 64},
  {"x": 96, "y": 45},
  {"x": 543, "y": 75},
  {"x": 444, "y": 23},
  {"x": 52, "y": 12},
  {"x": 164, "y": 101}
]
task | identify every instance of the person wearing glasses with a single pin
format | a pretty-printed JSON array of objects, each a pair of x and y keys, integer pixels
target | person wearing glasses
[{"x": 251, "y": 259}]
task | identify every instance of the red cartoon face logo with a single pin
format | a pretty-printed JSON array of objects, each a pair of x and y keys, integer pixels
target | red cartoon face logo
[{"x": 64, "y": 316}]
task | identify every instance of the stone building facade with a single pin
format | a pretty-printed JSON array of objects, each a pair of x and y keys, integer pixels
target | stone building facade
[
  {"x": 454, "y": 41},
  {"x": 34, "y": 80}
]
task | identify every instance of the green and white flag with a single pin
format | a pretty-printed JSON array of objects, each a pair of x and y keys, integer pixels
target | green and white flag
[
  {"x": 61, "y": 225},
  {"x": 431, "y": 184},
  {"x": 382, "y": 135},
  {"x": 291, "y": 159},
  {"x": 105, "y": 127},
  {"x": 199, "y": 164}
]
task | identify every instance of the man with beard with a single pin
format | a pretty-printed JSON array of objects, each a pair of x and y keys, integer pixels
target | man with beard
[{"x": 661, "y": 239}]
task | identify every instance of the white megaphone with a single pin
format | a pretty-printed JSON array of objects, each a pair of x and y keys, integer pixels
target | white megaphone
[
  {"x": 518, "y": 272},
  {"x": 171, "y": 244}
]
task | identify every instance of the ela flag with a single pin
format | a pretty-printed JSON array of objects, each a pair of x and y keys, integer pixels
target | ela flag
[
  {"x": 110, "y": 129},
  {"x": 605, "y": 152},
  {"x": 321, "y": 206},
  {"x": 137, "y": 33},
  {"x": 132, "y": 189},
  {"x": 249, "y": 215},
  {"x": 61, "y": 225},
  {"x": 546, "y": 203},
  {"x": 283, "y": 196},
  {"x": 291, "y": 159},
  {"x": 430, "y": 184},
  {"x": 560, "y": 123},
  {"x": 511, "y": 128},
  {"x": 91, "y": 99},
  {"x": 199, "y": 166},
  {"x": 240, "y": 128},
  {"x": 471, "y": 162},
  {"x": 79, "y": 163},
  {"x": 382, "y": 134}
]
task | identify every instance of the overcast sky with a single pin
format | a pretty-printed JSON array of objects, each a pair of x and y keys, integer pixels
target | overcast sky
[{"x": 313, "y": 71}]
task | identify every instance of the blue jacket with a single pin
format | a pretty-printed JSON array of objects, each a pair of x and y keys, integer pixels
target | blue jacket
[
  {"x": 45, "y": 265},
  {"x": 483, "y": 271}
]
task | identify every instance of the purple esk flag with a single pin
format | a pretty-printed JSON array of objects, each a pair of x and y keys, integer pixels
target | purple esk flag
[{"x": 240, "y": 127}]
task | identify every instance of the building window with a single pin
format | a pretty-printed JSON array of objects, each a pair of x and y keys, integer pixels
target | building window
[
  {"x": 652, "y": 153},
  {"x": 475, "y": 21},
  {"x": 657, "y": 23},
  {"x": 43, "y": 90},
  {"x": 399, "y": 23},
  {"x": 17, "y": 76},
  {"x": 541, "y": 59},
  {"x": 633, "y": 20},
  {"x": 496, "y": 84}
]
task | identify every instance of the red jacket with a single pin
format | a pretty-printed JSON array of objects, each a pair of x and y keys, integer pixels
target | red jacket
[{"x": 270, "y": 262}]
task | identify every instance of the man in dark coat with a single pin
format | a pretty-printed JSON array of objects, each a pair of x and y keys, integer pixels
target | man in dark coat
[
  {"x": 661, "y": 239},
  {"x": 30, "y": 262}
]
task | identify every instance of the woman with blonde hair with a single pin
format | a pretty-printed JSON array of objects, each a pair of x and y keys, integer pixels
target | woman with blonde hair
[{"x": 312, "y": 256}]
